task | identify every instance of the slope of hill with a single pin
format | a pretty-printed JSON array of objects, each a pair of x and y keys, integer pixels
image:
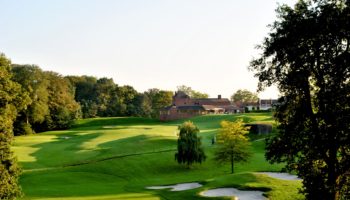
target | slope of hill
[{"x": 116, "y": 158}]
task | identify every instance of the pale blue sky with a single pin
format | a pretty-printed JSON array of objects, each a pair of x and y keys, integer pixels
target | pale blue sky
[{"x": 205, "y": 44}]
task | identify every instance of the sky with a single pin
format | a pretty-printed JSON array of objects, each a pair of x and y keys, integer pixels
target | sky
[{"x": 204, "y": 44}]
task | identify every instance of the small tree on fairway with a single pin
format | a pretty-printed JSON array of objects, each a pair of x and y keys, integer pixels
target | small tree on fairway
[
  {"x": 233, "y": 143},
  {"x": 189, "y": 149}
]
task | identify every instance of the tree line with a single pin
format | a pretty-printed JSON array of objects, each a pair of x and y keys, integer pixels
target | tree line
[{"x": 53, "y": 102}]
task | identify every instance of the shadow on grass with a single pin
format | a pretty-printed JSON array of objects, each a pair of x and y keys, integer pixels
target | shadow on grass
[
  {"x": 87, "y": 174},
  {"x": 113, "y": 121},
  {"x": 66, "y": 151},
  {"x": 59, "y": 152}
]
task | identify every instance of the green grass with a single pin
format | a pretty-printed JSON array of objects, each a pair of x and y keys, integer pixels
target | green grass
[{"x": 116, "y": 158}]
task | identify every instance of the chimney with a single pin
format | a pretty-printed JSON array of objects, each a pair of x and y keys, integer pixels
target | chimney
[{"x": 219, "y": 96}]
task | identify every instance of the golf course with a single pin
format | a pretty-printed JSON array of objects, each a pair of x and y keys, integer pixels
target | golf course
[{"x": 118, "y": 158}]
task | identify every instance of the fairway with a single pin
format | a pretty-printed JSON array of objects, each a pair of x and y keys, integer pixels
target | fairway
[{"x": 117, "y": 158}]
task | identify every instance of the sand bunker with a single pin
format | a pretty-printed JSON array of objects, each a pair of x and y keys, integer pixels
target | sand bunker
[
  {"x": 230, "y": 192},
  {"x": 177, "y": 187},
  {"x": 282, "y": 176}
]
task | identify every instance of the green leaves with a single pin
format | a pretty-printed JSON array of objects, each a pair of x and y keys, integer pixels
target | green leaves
[
  {"x": 233, "y": 143},
  {"x": 10, "y": 104},
  {"x": 189, "y": 146},
  {"x": 307, "y": 56},
  {"x": 244, "y": 96}
]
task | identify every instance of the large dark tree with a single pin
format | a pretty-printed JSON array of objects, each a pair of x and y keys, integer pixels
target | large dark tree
[
  {"x": 128, "y": 102},
  {"x": 307, "y": 56},
  {"x": 33, "y": 81},
  {"x": 83, "y": 89},
  {"x": 104, "y": 91},
  {"x": 189, "y": 146},
  {"x": 12, "y": 100}
]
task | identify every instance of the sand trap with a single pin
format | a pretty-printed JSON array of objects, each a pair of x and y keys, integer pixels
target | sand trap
[
  {"x": 230, "y": 192},
  {"x": 282, "y": 176},
  {"x": 177, "y": 187}
]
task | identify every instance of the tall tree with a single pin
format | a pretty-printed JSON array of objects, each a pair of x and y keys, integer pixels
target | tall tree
[
  {"x": 158, "y": 99},
  {"x": 103, "y": 92},
  {"x": 192, "y": 93},
  {"x": 145, "y": 105},
  {"x": 189, "y": 146},
  {"x": 83, "y": 88},
  {"x": 63, "y": 108},
  {"x": 244, "y": 96},
  {"x": 33, "y": 82},
  {"x": 12, "y": 100},
  {"x": 307, "y": 56},
  {"x": 233, "y": 143},
  {"x": 127, "y": 100}
]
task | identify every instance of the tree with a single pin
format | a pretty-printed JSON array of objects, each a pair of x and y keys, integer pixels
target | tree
[
  {"x": 62, "y": 105},
  {"x": 144, "y": 105},
  {"x": 244, "y": 97},
  {"x": 103, "y": 92},
  {"x": 130, "y": 99},
  {"x": 192, "y": 93},
  {"x": 102, "y": 97},
  {"x": 33, "y": 81},
  {"x": 84, "y": 93},
  {"x": 189, "y": 149},
  {"x": 12, "y": 100},
  {"x": 158, "y": 99},
  {"x": 307, "y": 56},
  {"x": 233, "y": 143}
]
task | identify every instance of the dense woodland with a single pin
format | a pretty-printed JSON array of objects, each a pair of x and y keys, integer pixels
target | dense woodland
[{"x": 54, "y": 101}]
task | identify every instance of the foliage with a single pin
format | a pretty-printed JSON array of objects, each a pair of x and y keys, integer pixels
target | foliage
[
  {"x": 307, "y": 56},
  {"x": 157, "y": 99},
  {"x": 83, "y": 90},
  {"x": 189, "y": 146},
  {"x": 192, "y": 93},
  {"x": 102, "y": 97},
  {"x": 63, "y": 108},
  {"x": 233, "y": 143},
  {"x": 33, "y": 82},
  {"x": 12, "y": 100},
  {"x": 244, "y": 97},
  {"x": 128, "y": 101},
  {"x": 51, "y": 100}
]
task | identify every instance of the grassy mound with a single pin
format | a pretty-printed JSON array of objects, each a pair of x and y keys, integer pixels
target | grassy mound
[{"x": 116, "y": 158}]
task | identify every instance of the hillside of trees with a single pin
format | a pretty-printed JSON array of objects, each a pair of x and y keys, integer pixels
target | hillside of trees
[{"x": 54, "y": 101}]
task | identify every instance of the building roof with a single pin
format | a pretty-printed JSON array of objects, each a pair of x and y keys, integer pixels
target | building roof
[
  {"x": 212, "y": 101},
  {"x": 168, "y": 108},
  {"x": 194, "y": 107}
]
